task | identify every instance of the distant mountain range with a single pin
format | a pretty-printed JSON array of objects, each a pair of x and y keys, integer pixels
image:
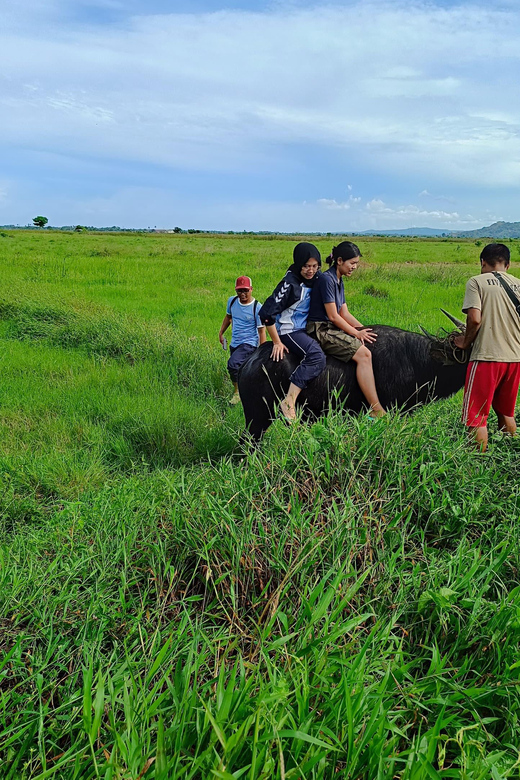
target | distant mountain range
[{"x": 496, "y": 230}]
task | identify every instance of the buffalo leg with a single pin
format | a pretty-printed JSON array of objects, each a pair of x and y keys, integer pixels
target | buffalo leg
[{"x": 258, "y": 419}]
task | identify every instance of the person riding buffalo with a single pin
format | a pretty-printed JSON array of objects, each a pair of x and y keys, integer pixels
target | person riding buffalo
[
  {"x": 285, "y": 315},
  {"x": 338, "y": 332}
]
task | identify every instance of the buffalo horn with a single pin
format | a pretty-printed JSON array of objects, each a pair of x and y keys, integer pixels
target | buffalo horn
[
  {"x": 428, "y": 335},
  {"x": 458, "y": 323}
]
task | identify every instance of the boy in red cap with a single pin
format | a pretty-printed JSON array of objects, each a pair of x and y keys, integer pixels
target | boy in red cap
[{"x": 247, "y": 331}]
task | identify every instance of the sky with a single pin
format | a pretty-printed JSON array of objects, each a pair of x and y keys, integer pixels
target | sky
[{"x": 260, "y": 115}]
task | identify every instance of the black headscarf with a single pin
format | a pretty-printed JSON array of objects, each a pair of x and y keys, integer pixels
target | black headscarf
[{"x": 301, "y": 253}]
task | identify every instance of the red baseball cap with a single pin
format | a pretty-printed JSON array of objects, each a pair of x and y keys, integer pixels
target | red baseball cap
[{"x": 243, "y": 282}]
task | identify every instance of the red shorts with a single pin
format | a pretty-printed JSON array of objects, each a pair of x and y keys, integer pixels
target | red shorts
[{"x": 489, "y": 385}]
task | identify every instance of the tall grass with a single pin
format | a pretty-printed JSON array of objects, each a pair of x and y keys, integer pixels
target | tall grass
[
  {"x": 86, "y": 391},
  {"x": 350, "y": 608},
  {"x": 343, "y": 601}
]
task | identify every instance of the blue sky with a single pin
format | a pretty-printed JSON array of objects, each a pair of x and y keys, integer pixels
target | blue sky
[{"x": 277, "y": 115}]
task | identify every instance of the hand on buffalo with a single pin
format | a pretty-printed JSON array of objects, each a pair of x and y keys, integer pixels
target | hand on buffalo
[
  {"x": 460, "y": 341},
  {"x": 278, "y": 350},
  {"x": 366, "y": 336}
]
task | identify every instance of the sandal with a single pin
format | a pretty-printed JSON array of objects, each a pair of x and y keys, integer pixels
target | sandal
[{"x": 371, "y": 419}]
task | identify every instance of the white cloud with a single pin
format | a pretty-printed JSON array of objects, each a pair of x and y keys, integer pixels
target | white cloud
[
  {"x": 431, "y": 196},
  {"x": 333, "y": 204},
  {"x": 154, "y": 206},
  {"x": 421, "y": 93},
  {"x": 411, "y": 212},
  {"x": 377, "y": 213},
  {"x": 377, "y": 205},
  {"x": 224, "y": 90}
]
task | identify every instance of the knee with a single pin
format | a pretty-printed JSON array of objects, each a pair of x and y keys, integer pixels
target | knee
[
  {"x": 232, "y": 371},
  {"x": 318, "y": 358},
  {"x": 363, "y": 355}
]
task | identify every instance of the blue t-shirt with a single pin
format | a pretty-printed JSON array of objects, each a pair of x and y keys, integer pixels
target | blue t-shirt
[
  {"x": 326, "y": 289},
  {"x": 245, "y": 321},
  {"x": 295, "y": 317}
]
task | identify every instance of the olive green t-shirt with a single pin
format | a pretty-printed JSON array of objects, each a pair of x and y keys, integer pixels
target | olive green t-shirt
[{"x": 498, "y": 339}]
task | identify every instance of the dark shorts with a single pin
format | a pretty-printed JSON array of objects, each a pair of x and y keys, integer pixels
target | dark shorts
[
  {"x": 489, "y": 384},
  {"x": 239, "y": 356},
  {"x": 334, "y": 341}
]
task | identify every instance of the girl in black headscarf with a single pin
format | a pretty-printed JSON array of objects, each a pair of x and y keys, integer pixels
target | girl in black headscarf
[{"x": 285, "y": 315}]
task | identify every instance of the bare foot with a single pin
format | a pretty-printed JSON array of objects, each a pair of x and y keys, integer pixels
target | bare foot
[
  {"x": 289, "y": 412},
  {"x": 235, "y": 399}
]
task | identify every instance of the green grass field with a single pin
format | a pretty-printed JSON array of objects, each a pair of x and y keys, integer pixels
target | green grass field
[{"x": 343, "y": 602}]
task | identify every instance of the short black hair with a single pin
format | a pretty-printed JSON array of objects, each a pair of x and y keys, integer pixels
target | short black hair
[{"x": 492, "y": 254}]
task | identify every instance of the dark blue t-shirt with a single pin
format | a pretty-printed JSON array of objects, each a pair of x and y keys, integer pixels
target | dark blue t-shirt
[{"x": 326, "y": 289}]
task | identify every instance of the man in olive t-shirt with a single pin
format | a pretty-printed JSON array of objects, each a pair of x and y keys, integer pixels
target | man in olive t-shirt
[{"x": 493, "y": 332}]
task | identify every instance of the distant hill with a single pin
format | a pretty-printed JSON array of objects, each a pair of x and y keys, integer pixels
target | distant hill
[{"x": 496, "y": 230}]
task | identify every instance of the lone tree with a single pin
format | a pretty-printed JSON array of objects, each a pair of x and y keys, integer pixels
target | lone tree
[{"x": 40, "y": 221}]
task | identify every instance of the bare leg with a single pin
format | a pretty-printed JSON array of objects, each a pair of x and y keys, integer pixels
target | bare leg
[
  {"x": 480, "y": 435},
  {"x": 366, "y": 381},
  {"x": 235, "y": 398},
  {"x": 288, "y": 405},
  {"x": 506, "y": 424}
]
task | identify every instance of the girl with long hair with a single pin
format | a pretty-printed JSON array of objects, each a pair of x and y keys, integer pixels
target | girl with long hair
[{"x": 337, "y": 331}]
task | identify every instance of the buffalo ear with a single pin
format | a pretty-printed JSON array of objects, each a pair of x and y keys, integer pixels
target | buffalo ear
[
  {"x": 439, "y": 353},
  {"x": 444, "y": 351}
]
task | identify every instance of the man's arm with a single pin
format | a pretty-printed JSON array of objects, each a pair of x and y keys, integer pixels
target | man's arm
[
  {"x": 343, "y": 324},
  {"x": 261, "y": 335},
  {"x": 473, "y": 322},
  {"x": 226, "y": 322}
]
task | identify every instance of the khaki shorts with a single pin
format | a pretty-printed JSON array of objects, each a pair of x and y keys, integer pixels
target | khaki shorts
[{"x": 334, "y": 341}]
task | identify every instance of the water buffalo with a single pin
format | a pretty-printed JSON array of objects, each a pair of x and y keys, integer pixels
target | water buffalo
[{"x": 409, "y": 368}]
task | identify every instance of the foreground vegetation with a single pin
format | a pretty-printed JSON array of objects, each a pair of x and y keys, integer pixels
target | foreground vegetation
[{"x": 342, "y": 602}]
